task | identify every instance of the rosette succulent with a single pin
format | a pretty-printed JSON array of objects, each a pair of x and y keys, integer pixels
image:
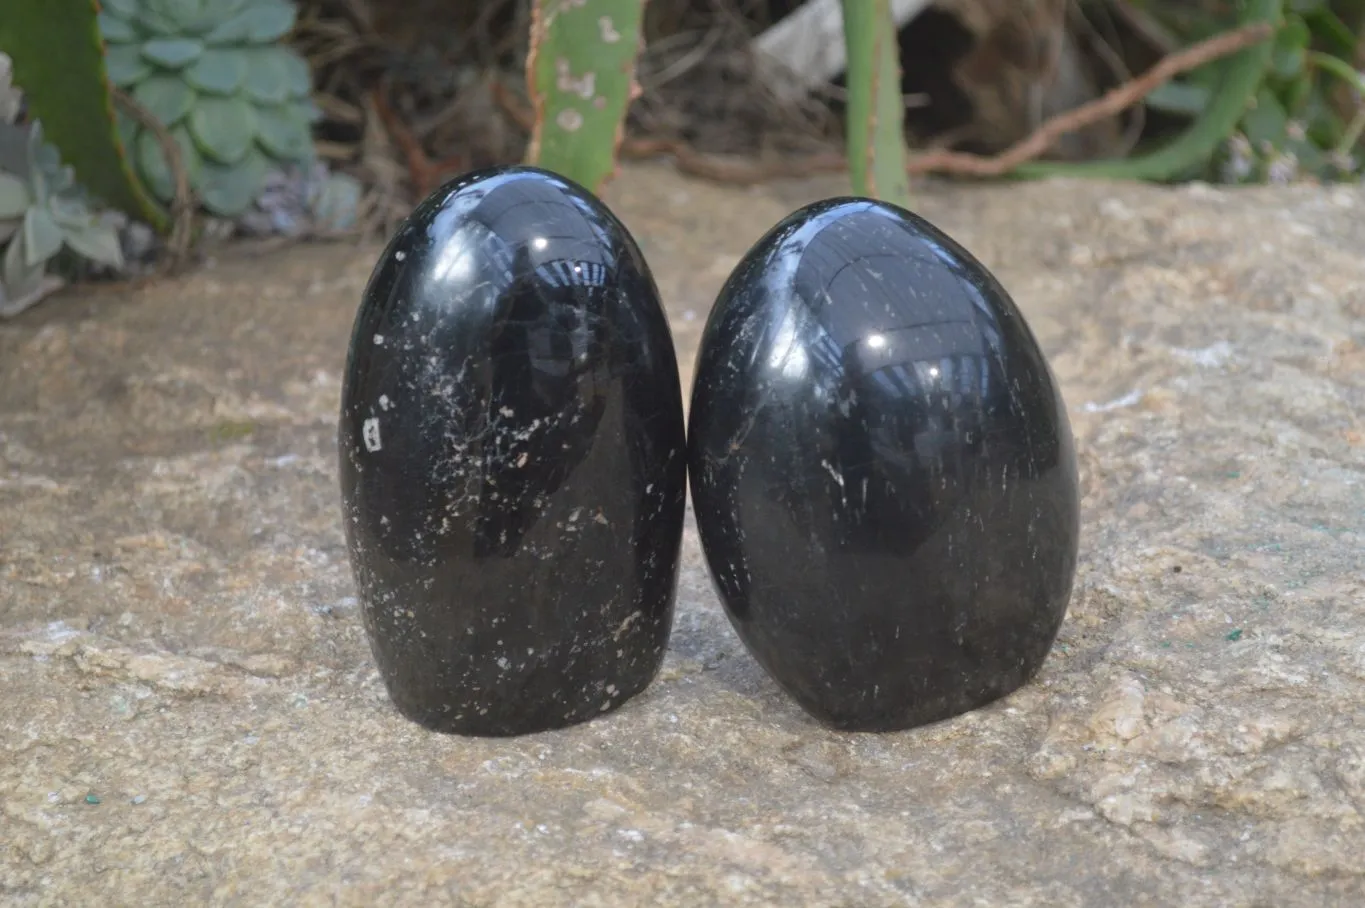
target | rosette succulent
[
  {"x": 236, "y": 101},
  {"x": 42, "y": 211}
]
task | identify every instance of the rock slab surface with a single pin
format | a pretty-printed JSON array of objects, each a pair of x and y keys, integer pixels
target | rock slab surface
[{"x": 191, "y": 715}]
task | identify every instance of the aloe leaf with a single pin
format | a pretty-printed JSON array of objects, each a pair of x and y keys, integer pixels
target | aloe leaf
[
  {"x": 283, "y": 133},
  {"x": 96, "y": 242},
  {"x": 223, "y": 128},
  {"x": 172, "y": 53},
  {"x": 229, "y": 190},
  {"x": 876, "y": 111},
  {"x": 217, "y": 71},
  {"x": 15, "y": 198},
  {"x": 58, "y": 57},
  {"x": 166, "y": 97},
  {"x": 581, "y": 75},
  {"x": 42, "y": 236}
]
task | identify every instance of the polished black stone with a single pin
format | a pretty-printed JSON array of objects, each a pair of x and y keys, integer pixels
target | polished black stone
[
  {"x": 882, "y": 470},
  {"x": 513, "y": 461}
]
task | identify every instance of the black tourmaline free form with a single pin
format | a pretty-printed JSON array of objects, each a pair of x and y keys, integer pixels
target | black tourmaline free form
[
  {"x": 882, "y": 470},
  {"x": 513, "y": 462}
]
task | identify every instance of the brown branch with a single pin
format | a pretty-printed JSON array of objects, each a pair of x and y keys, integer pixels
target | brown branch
[
  {"x": 182, "y": 203},
  {"x": 1112, "y": 103}
]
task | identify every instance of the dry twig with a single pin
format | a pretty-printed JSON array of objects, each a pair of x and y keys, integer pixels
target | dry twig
[{"x": 182, "y": 204}]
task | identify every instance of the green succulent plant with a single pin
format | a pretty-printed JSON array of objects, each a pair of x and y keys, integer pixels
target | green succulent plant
[
  {"x": 42, "y": 211},
  {"x": 213, "y": 72}
]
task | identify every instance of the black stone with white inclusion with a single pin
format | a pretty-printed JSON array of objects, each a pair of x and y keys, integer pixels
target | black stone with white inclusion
[
  {"x": 513, "y": 459},
  {"x": 882, "y": 470}
]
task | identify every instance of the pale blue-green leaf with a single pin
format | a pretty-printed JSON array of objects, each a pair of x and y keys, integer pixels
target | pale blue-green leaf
[
  {"x": 156, "y": 170},
  {"x": 282, "y": 133},
  {"x": 17, "y": 273},
  {"x": 298, "y": 77},
  {"x": 267, "y": 74},
  {"x": 231, "y": 31},
  {"x": 125, "y": 64},
  {"x": 172, "y": 53},
  {"x": 42, "y": 237},
  {"x": 15, "y": 198},
  {"x": 166, "y": 97},
  {"x": 269, "y": 20},
  {"x": 124, "y": 8},
  {"x": 227, "y": 191},
  {"x": 217, "y": 71},
  {"x": 157, "y": 22},
  {"x": 115, "y": 29},
  {"x": 68, "y": 213},
  {"x": 97, "y": 242},
  {"x": 223, "y": 128},
  {"x": 337, "y": 204}
]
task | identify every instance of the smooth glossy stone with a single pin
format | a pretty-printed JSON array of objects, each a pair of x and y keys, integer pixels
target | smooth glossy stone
[
  {"x": 882, "y": 470},
  {"x": 513, "y": 460}
]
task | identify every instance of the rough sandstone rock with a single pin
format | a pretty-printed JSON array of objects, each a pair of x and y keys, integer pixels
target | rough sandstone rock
[{"x": 179, "y": 635}]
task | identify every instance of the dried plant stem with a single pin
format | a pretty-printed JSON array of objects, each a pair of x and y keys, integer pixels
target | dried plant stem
[{"x": 182, "y": 204}]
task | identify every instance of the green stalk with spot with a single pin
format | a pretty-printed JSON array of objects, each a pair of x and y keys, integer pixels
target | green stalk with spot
[
  {"x": 581, "y": 75},
  {"x": 876, "y": 111}
]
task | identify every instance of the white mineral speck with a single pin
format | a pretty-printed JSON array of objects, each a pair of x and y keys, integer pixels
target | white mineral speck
[
  {"x": 400, "y": 255},
  {"x": 384, "y": 402},
  {"x": 379, "y": 339}
]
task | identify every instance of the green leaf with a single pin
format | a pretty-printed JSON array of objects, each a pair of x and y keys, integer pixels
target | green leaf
[
  {"x": 269, "y": 20},
  {"x": 20, "y": 278},
  {"x": 267, "y": 74},
  {"x": 194, "y": 16},
  {"x": 227, "y": 191},
  {"x": 42, "y": 236},
  {"x": 1266, "y": 121},
  {"x": 127, "y": 9},
  {"x": 1291, "y": 43},
  {"x": 125, "y": 64},
  {"x": 223, "y": 128},
  {"x": 97, "y": 242},
  {"x": 68, "y": 212},
  {"x": 166, "y": 97},
  {"x": 116, "y": 30},
  {"x": 217, "y": 71},
  {"x": 233, "y": 31},
  {"x": 283, "y": 133},
  {"x": 156, "y": 170},
  {"x": 15, "y": 198},
  {"x": 298, "y": 77},
  {"x": 1179, "y": 98},
  {"x": 156, "y": 21},
  {"x": 172, "y": 53}
]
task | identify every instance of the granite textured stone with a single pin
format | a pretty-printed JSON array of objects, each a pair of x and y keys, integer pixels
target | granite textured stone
[
  {"x": 180, "y": 636},
  {"x": 882, "y": 468},
  {"x": 512, "y": 459}
]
